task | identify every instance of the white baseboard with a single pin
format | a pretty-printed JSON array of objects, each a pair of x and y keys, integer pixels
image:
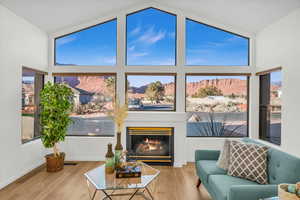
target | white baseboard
[
  {"x": 178, "y": 164},
  {"x": 85, "y": 158}
]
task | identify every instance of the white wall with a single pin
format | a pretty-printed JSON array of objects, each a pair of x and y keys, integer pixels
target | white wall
[
  {"x": 279, "y": 45},
  {"x": 20, "y": 44}
]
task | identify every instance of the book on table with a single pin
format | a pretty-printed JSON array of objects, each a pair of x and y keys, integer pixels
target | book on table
[{"x": 129, "y": 172}]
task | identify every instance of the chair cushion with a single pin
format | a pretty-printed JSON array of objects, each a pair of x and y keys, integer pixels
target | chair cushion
[
  {"x": 205, "y": 168},
  {"x": 221, "y": 184}
]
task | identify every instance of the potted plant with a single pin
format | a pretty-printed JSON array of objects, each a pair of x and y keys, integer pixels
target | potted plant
[{"x": 56, "y": 104}]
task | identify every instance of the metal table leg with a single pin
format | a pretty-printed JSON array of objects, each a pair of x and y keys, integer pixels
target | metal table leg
[
  {"x": 149, "y": 193},
  {"x": 136, "y": 191},
  {"x": 94, "y": 195},
  {"x": 95, "y": 192},
  {"x": 106, "y": 195}
]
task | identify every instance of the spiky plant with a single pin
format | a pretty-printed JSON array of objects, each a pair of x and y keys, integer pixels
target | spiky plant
[{"x": 217, "y": 127}]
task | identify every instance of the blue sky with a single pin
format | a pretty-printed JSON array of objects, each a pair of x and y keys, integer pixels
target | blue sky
[
  {"x": 141, "y": 80},
  {"x": 206, "y": 45},
  {"x": 190, "y": 79},
  {"x": 151, "y": 40},
  {"x": 276, "y": 77},
  {"x": 28, "y": 79},
  {"x": 93, "y": 46}
]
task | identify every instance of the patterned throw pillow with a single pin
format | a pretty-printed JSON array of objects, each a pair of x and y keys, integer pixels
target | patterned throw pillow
[
  {"x": 224, "y": 158},
  {"x": 248, "y": 161}
]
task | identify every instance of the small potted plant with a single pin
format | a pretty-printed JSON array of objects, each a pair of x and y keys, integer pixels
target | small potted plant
[{"x": 56, "y": 102}]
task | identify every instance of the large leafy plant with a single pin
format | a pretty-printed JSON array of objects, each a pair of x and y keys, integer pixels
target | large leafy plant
[{"x": 56, "y": 104}]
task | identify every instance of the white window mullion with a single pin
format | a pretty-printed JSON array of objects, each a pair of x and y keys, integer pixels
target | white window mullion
[
  {"x": 180, "y": 60},
  {"x": 121, "y": 57}
]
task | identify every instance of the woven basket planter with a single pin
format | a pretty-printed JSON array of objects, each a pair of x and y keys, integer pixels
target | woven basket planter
[
  {"x": 55, "y": 164},
  {"x": 284, "y": 195}
]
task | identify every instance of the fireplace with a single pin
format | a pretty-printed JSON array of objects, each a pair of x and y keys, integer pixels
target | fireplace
[{"x": 153, "y": 145}]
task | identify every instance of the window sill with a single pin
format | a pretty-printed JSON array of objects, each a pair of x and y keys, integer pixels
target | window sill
[
  {"x": 31, "y": 140},
  {"x": 217, "y": 136}
]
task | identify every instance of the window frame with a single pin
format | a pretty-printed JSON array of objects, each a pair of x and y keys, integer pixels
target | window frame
[
  {"x": 247, "y": 75},
  {"x": 220, "y": 29},
  {"x": 54, "y": 75},
  {"x": 151, "y": 74},
  {"x": 263, "y": 133},
  {"x": 39, "y": 72},
  {"x": 175, "y": 40},
  {"x": 83, "y": 29}
]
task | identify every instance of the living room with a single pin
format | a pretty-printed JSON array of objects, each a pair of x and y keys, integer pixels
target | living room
[{"x": 167, "y": 87}]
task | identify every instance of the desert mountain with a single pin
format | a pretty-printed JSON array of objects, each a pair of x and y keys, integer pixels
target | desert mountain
[
  {"x": 226, "y": 85},
  {"x": 96, "y": 84},
  {"x": 91, "y": 84}
]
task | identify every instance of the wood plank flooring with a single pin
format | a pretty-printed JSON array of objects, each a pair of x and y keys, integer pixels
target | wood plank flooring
[{"x": 69, "y": 184}]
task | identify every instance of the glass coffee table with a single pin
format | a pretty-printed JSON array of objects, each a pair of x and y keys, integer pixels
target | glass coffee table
[{"x": 109, "y": 184}]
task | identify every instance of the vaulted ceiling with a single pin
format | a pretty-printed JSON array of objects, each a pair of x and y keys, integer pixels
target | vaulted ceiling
[{"x": 249, "y": 15}]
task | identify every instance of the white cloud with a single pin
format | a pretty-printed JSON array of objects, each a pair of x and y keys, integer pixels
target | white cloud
[
  {"x": 65, "y": 40},
  {"x": 225, "y": 42},
  {"x": 135, "y": 31},
  {"x": 136, "y": 55},
  {"x": 151, "y": 36},
  {"x": 131, "y": 48}
]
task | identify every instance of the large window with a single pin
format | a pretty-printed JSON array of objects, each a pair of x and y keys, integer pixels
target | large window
[
  {"x": 32, "y": 83},
  {"x": 151, "y": 92},
  {"x": 93, "y": 46},
  {"x": 151, "y": 38},
  {"x": 217, "y": 106},
  {"x": 270, "y": 107},
  {"x": 210, "y": 46},
  {"x": 93, "y": 97}
]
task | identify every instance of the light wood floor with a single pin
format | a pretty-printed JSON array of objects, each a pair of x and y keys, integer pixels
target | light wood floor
[{"x": 69, "y": 184}]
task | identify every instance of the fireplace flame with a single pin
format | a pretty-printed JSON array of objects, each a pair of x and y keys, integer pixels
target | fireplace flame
[{"x": 150, "y": 146}]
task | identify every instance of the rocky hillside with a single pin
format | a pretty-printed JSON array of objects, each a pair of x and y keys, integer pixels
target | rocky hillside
[
  {"x": 92, "y": 84},
  {"x": 227, "y": 86},
  {"x": 96, "y": 84},
  {"x": 169, "y": 89}
]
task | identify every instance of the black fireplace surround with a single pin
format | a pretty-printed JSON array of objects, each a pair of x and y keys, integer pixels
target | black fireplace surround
[{"x": 152, "y": 145}]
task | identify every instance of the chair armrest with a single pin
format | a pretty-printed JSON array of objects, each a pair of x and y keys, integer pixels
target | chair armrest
[
  {"x": 206, "y": 155},
  {"x": 252, "y": 192}
]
